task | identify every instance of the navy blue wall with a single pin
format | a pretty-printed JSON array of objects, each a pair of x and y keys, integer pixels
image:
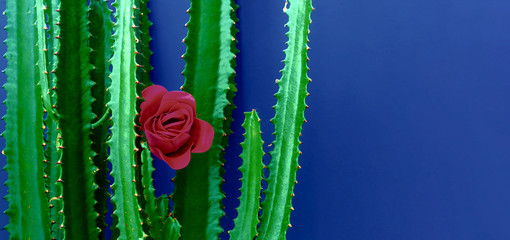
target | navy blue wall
[{"x": 408, "y": 134}]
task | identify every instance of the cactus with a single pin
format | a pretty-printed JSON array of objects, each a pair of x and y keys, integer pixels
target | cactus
[
  {"x": 53, "y": 152},
  {"x": 207, "y": 79},
  {"x": 100, "y": 42},
  {"x": 28, "y": 208},
  {"x": 123, "y": 104},
  {"x": 74, "y": 104},
  {"x": 68, "y": 115},
  {"x": 252, "y": 169},
  {"x": 288, "y": 121}
]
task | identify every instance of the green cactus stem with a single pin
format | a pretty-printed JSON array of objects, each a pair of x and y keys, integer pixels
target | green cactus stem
[
  {"x": 209, "y": 55},
  {"x": 100, "y": 42},
  {"x": 252, "y": 170},
  {"x": 162, "y": 225},
  {"x": 288, "y": 121},
  {"x": 74, "y": 105},
  {"x": 143, "y": 46},
  {"x": 28, "y": 209},
  {"x": 53, "y": 154},
  {"x": 123, "y": 90}
]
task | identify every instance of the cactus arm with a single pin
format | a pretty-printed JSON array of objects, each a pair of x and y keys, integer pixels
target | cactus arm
[
  {"x": 231, "y": 81},
  {"x": 288, "y": 121},
  {"x": 53, "y": 154},
  {"x": 127, "y": 220},
  {"x": 28, "y": 208},
  {"x": 252, "y": 170},
  {"x": 74, "y": 106},
  {"x": 100, "y": 42},
  {"x": 198, "y": 195}
]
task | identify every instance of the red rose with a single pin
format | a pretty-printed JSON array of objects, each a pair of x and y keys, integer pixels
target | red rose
[{"x": 171, "y": 126}]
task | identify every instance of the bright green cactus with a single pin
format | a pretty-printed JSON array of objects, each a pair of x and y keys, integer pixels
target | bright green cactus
[{"x": 68, "y": 116}]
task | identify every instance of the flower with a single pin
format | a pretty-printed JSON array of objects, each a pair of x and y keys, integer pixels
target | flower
[{"x": 171, "y": 126}]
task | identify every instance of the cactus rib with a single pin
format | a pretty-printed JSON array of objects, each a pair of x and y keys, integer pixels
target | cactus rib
[
  {"x": 123, "y": 90},
  {"x": 288, "y": 121},
  {"x": 252, "y": 169},
  {"x": 208, "y": 69}
]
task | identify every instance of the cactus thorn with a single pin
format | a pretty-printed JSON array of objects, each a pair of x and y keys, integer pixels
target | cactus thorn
[
  {"x": 59, "y": 162},
  {"x": 289, "y": 225}
]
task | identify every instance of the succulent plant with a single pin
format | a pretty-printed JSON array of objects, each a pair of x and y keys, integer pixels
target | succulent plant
[{"x": 73, "y": 106}]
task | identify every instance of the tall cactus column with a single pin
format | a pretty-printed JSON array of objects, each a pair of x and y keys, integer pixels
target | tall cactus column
[
  {"x": 74, "y": 105},
  {"x": 28, "y": 208},
  {"x": 127, "y": 219},
  {"x": 209, "y": 55},
  {"x": 288, "y": 121}
]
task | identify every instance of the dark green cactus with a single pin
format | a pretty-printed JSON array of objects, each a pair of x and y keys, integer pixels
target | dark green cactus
[
  {"x": 74, "y": 104},
  {"x": 208, "y": 69},
  {"x": 252, "y": 169},
  {"x": 100, "y": 42}
]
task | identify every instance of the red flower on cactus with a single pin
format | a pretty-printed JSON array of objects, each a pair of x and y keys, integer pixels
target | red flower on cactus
[{"x": 171, "y": 126}]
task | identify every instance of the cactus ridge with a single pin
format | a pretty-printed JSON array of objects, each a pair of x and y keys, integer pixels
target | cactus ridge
[
  {"x": 28, "y": 209},
  {"x": 252, "y": 170},
  {"x": 288, "y": 121},
  {"x": 207, "y": 72},
  {"x": 74, "y": 105},
  {"x": 53, "y": 154},
  {"x": 100, "y": 42},
  {"x": 143, "y": 47},
  {"x": 127, "y": 220}
]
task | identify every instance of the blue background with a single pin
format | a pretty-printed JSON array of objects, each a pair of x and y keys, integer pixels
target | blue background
[{"x": 408, "y": 132}]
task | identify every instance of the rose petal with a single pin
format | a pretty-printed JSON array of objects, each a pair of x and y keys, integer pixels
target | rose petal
[
  {"x": 179, "y": 117},
  {"x": 174, "y": 97},
  {"x": 176, "y": 160},
  {"x": 202, "y": 135},
  {"x": 152, "y": 95},
  {"x": 167, "y": 145}
]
